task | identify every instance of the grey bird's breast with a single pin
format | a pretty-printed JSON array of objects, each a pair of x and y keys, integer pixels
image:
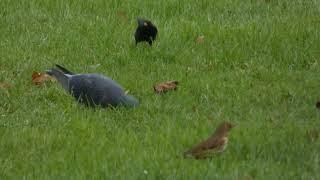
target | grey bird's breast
[{"x": 95, "y": 90}]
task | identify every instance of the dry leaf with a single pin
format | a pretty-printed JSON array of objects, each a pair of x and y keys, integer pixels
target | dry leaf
[
  {"x": 194, "y": 108},
  {"x": 4, "y": 85},
  {"x": 165, "y": 86},
  {"x": 122, "y": 15},
  {"x": 200, "y": 39},
  {"x": 247, "y": 177},
  {"x": 40, "y": 78},
  {"x": 313, "y": 134}
]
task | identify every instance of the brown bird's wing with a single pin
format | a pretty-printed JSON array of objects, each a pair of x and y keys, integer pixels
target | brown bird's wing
[
  {"x": 208, "y": 147},
  {"x": 216, "y": 142}
]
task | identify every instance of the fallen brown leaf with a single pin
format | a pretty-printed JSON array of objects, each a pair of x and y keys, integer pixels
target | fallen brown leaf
[
  {"x": 122, "y": 15},
  {"x": 194, "y": 108},
  {"x": 313, "y": 134},
  {"x": 165, "y": 86},
  {"x": 200, "y": 39},
  {"x": 247, "y": 177},
  {"x": 40, "y": 78},
  {"x": 4, "y": 85}
]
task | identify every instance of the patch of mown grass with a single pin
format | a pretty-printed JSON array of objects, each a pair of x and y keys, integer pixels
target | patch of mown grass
[{"x": 258, "y": 67}]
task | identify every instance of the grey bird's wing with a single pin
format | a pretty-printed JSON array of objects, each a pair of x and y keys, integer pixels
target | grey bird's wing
[{"x": 95, "y": 89}]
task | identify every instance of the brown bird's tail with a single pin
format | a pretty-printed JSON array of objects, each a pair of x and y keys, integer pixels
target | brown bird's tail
[{"x": 184, "y": 155}]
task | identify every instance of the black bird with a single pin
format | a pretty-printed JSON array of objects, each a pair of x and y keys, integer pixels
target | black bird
[
  {"x": 146, "y": 31},
  {"x": 92, "y": 89}
]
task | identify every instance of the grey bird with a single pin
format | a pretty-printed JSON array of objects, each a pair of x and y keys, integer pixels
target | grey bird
[
  {"x": 92, "y": 89},
  {"x": 146, "y": 31}
]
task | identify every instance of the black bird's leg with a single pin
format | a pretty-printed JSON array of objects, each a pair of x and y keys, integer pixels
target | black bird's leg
[{"x": 150, "y": 42}]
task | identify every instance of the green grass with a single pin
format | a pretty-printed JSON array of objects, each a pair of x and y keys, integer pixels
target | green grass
[{"x": 258, "y": 68}]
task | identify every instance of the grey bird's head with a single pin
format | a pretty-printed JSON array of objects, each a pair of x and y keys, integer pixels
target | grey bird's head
[{"x": 128, "y": 100}]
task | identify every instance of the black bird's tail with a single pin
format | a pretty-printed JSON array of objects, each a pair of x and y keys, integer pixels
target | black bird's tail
[{"x": 61, "y": 77}]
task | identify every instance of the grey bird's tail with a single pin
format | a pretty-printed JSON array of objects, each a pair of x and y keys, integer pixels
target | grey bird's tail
[
  {"x": 64, "y": 70},
  {"x": 61, "y": 77}
]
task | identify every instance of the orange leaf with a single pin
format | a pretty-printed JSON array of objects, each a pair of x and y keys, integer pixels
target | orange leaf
[
  {"x": 122, "y": 15},
  {"x": 248, "y": 177},
  {"x": 40, "y": 78},
  {"x": 4, "y": 85},
  {"x": 313, "y": 134},
  {"x": 165, "y": 86},
  {"x": 200, "y": 39}
]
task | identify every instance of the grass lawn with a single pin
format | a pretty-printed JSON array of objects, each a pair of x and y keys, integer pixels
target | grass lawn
[{"x": 258, "y": 68}]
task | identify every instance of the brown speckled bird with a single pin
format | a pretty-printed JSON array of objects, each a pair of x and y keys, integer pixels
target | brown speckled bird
[{"x": 216, "y": 143}]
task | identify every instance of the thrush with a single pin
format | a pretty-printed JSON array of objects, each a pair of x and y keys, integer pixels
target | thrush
[
  {"x": 92, "y": 89},
  {"x": 216, "y": 143},
  {"x": 146, "y": 31}
]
